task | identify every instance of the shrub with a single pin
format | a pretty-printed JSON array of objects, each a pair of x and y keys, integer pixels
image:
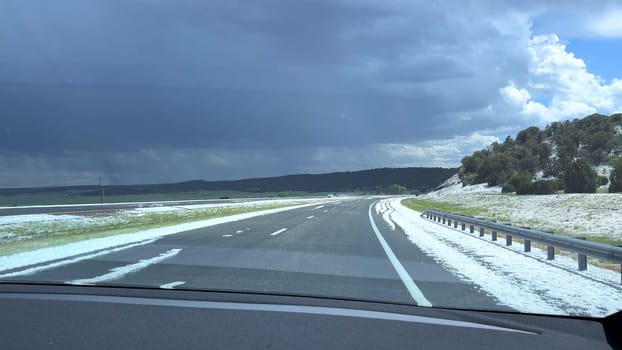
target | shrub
[
  {"x": 579, "y": 177},
  {"x": 545, "y": 187},
  {"x": 615, "y": 178}
]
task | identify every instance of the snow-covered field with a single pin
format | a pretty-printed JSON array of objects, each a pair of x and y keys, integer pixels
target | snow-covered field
[
  {"x": 524, "y": 281},
  {"x": 580, "y": 214}
]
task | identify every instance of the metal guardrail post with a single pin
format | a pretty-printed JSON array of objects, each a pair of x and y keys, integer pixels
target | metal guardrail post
[
  {"x": 471, "y": 228},
  {"x": 448, "y": 222},
  {"x": 455, "y": 224},
  {"x": 550, "y": 252},
  {"x": 444, "y": 221},
  {"x": 481, "y": 232},
  {"x": 494, "y": 235},
  {"x": 582, "y": 259},
  {"x": 527, "y": 245},
  {"x": 463, "y": 226},
  {"x": 508, "y": 239}
]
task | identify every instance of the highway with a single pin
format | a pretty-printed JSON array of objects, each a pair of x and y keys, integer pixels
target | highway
[{"x": 340, "y": 249}]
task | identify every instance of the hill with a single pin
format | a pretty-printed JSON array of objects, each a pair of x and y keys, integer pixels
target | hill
[
  {"x": 372, "y": 181},
  {"x": 562, "y": 156}
]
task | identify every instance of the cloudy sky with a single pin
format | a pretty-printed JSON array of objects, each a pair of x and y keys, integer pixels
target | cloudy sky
[{"x": 140, "y": 91}]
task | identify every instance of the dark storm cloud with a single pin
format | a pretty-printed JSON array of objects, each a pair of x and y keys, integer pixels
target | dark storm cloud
[
  {"x": 273, "y": 83},
  {"x": 128, "y": 75}
]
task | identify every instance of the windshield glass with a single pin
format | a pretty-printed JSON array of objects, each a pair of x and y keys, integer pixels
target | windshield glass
[{"x": 455, "y": 154}]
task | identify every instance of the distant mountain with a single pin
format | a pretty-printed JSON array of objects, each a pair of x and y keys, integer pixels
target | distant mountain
[
  {"x": 372, "y": 180},
  {"x": 562, "y": 156}
]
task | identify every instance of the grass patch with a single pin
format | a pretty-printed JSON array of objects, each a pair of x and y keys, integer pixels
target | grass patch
[
  {"x": 605, "y": 240},
  {"x": 43, "y": 235},
  {"x": 422, "y": 205}
]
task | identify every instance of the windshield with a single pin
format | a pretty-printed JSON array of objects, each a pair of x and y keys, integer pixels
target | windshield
[{"x": 454, "y": 154}]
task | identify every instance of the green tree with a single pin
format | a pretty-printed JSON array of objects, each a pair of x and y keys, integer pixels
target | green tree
[
  {"x": 497, "y": 169},
  {"x": 522, "y": 182},
  {"x": 579, "y": 177},
  {"x": 615, "y": 178}
]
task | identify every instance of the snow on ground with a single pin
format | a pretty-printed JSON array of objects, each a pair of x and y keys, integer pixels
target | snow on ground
[
  {"x": 604, "y": 170},
  {"x": 454, "y": 186},
  {"x": 44, "y": 255},
  {"x": 524, "y": 281},
  {"x": 29, "y": 218},
  {"x": 576, "y": 214},
  {"x": 382, "y": 208}
]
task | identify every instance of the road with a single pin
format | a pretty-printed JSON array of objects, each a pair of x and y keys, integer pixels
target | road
[{"x": 326, "y": 250}]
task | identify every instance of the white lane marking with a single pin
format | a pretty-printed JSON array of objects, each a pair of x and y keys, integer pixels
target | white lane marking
[
  {"x": 239, "y": 231},
  {"x": 121, "y": 271},
  {"x": 227, "y": 235},
  {"x": 74, "y": 260},
  {"x": 310, "y": 217},
  {"x": 278, "y": 232},
  {"x": 414, "y": 291},
  {"x": 172, "y": 284},
  {"x": 325, "y": 210},
  {"x": 320, "y": 207}
]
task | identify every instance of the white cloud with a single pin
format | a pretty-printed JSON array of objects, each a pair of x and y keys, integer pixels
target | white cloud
[
  {"x": 609, "y": 25},
  {"x": 556, "y": 75},
  {"x": 444, "y": 152}
]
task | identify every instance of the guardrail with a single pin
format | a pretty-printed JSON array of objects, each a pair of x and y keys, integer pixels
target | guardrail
[{"x": 578, "y": 245}]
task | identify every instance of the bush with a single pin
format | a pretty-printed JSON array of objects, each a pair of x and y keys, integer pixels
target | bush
[
  {"x": 579, "y": 177},
  {"x": 602, "y": 181},
  {"x": 615, "y": 178},
  {"x": 546, "y": 187},
  {"x": 521, "y": 181}
]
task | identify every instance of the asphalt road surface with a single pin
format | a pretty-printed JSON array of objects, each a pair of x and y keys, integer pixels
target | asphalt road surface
[{"x": 330, "y": 250}]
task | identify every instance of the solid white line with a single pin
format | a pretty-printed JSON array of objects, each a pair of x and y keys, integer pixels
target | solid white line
[
  {"x": 35, "y": 269},
  {"x": 320, "y": 207},
  {"x": 172, "y": 284},
  {"x": 121, "y": 271},
  {"x": 227, "y": 235},
  {"x": 310, "y": 217},
  {"x": 278, "y": 232},
  {"x": 414, "y": 291}
]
